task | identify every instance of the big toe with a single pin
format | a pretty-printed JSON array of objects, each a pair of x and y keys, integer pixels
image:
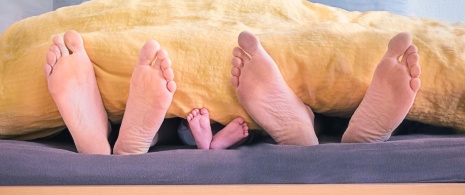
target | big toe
[
  {"x": 148, "y": 52},
  {"x": 398, "y": 45},
  {"x": 74, "y": 41},
  {"x": 204, "y": 112},
  {"x": 249, "y": 43}
]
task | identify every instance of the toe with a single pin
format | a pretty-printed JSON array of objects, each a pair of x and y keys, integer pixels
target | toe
[
  {"x": 161, "y": 56},
  {"x": 249, "y": 43},
  {"x": 74, "y": 41},
  {"x": 415, "y": 84},
  {"x": 168, "y": 74},
  {"x": 414, "y": 68},
  {"x": 239, "y": 120},
  {"x": 51, "y": 60},
  {"x": 148, "y": 52},
  {"x": 47, "y": 70},
  {"x": 398, "y": 45},
  {"x": 204, "y": 111},
  {"x": 171, "y": 85},
  {"x": 165, "y": 64},
  {"x": 239, "y": 53},
  {"x": 54, "y": 48},
  {"x": 235, "y": 71},
  {"x": 58, "y": 40},
  {"x": 237, "y": 62},
  {"x": 410, "y": 51},
  {"x": 195, "y": 112}
]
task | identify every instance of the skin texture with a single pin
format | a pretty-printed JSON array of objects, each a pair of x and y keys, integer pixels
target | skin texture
[
  {"x": 390, "y": 95},
  {"x": 150, "y": 95},
  {"x": 199, "y": 124},
  {"x": 262, "y": 91},
  {"x": 72, "y": 84}
]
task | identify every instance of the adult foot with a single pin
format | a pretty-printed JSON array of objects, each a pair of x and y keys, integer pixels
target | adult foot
[
  {"x": 72, "y": 84},
  {"x": 390, "y": 96},
  {"x": 230, "y": 135},
  {"x": 266, "y": 97},
  {"x": 150, "y": 95},
  {"x": 199, "y": 124}
]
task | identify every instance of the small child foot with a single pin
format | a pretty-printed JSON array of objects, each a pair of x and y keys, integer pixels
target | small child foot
[
  {"x": 236, "y": 131},
  {"x": 199, "y": 124}
]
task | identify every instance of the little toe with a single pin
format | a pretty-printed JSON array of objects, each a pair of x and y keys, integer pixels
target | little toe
[
  {"x": 415, "y": 69},
  {"x": 60, "y": 43},
  {"x": 171, "y": 86},
  {"x": 415, "y": 84},
  {"x": 148, "y": 52},
  {"x": 235, "y": 81},
  {"x": 74, "y": 41},
  {"x": 51, "y": 58}
]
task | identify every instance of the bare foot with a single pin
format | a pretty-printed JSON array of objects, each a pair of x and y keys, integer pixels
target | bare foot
[
  {"x": 266, "y": 97},
  {"x": 230, "y": 135},
  {"x": 150, "y": 95},
  {"x": 390, "y": 96},
  {"x": 199, "y": 124},
  {"x": 72, "y": 84}
]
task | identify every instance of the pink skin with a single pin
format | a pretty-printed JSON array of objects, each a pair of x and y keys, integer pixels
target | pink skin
[
  {"x": 264, "y": 94},
  {"x": 72, "y": 84},
  {"x": 232, "y": 134},
  {"x": 262, "y": 91},
  {"x": 150, "y": 95},
  {"x": 390, "y": 96}
]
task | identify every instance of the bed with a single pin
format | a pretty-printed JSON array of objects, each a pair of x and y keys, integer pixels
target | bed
[{"x": 416, "y": 154}]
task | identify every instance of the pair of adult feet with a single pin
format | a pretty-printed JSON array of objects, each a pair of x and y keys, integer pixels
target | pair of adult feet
[
  {"x": 73, "y": 86},
  {"x": 259, "y": 85},
  {"x": 264, "y": 94}
]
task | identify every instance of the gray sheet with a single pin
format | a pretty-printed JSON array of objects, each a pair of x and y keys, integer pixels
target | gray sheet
[{"x": 405, "y": 158}]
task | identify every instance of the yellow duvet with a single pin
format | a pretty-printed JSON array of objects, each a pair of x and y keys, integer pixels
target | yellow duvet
[{"x": 326, "y": 55}]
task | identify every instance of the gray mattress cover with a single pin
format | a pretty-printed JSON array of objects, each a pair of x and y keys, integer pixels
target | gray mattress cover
[{"x": 404, "y": 158}]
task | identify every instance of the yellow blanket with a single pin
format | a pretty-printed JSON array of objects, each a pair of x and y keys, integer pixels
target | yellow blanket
[{"x": 326, "y": 55}]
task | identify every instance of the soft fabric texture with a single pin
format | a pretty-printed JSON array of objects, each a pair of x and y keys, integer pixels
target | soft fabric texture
[
  {"x": 326, "y": 55},
  {"x": 404, "y": 159}
]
